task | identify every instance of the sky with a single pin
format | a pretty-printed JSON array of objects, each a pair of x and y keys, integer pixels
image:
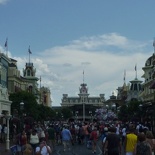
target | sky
[{"x": 104, "y": 39}]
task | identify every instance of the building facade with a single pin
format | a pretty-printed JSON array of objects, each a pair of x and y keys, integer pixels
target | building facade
[
  {"x": 83, "y": 106},
  {"x": 148, "y": 93},
  {"x": 5, "y": 104},
  {"x": 45, "y": 97}
]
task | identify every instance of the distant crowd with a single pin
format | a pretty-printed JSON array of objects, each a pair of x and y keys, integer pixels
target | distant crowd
[{"x": 112, "y": 137}]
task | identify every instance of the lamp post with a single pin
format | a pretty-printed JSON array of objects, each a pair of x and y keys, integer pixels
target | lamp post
[
  {"x": 107, "y": 107},
  {"x": 22, "y": 121},
  {"x": 83, "y": 108},
  {"x": 90, "y": 112},
  {"x": 7, "y": 116},
  {"x": 76, "y": 115},
  {"x": 140, "y": 107},
  {"x": 114, "y": 107},
  {"x": 62, "y": 117}
]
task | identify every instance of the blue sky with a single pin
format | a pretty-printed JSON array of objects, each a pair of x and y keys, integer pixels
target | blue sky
[{"x": 101, "y": 37}]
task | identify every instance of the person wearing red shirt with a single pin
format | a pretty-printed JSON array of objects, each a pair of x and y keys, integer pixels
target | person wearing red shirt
[{"x": 94, "y": 137}]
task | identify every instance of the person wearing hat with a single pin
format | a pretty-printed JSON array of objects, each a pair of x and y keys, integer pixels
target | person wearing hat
[{"x": 103, "y": 138}]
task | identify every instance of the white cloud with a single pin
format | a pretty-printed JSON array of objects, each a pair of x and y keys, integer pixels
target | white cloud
[
  {"x": 3, "y": 1},
  {"x": 102, "y": 58}
]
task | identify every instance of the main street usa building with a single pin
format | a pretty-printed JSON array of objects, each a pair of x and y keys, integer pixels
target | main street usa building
[{"x": 83, "y": 106}]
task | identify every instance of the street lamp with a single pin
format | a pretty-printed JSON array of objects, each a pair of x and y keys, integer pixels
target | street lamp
[
  {"x": 21, "y": 105},
  {"x": 7, "y": 116},
  {"x": 62, "y": 117},
  {"x": 83, "y": 108},
  {"x": 76, "y": 115},
  {"x": 107, "y": 107},
  {"x": 114, "y": 107},
  {"x": 90, "y": 112},
  {"x": 140, "y": 107}
]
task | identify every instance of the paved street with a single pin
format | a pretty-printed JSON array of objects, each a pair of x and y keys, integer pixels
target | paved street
[{"x": 75, "y": 150}]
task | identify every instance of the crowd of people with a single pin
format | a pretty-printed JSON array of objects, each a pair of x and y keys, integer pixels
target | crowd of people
[{"x": 113, "y": 138}]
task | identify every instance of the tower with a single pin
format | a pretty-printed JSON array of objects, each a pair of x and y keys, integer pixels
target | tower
[{"x": 29, "y": 74}]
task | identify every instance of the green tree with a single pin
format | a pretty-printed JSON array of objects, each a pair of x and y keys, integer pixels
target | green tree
[
  {"x": 45, "y": 113},
  {"x": 123, "y": 113},
  {"x": 66, "y": 112},
  {"x": 30, "y": 104}
]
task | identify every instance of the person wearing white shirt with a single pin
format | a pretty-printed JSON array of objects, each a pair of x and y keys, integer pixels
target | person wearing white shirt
[
  {"x": 123, "y": 134},
  {"x": 43, "y": 149}
]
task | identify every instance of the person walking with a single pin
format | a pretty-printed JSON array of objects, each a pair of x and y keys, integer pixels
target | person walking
[
  {"x": 93, "y": 138},
  {"x": 130, "y": 141},
  {"x": 34, "y": 139},
  {"x": 112, "y": 143},
  {"x": 43, "y": 148},
  {"x": 23, "y": 140},
  {"x": 150, "y": 139},
  {"x": 103, "y": 139},
  {"x": 142, "y": 147},
  {"x": 51, "y": 136},
  {"x": 66, "y": 138}
]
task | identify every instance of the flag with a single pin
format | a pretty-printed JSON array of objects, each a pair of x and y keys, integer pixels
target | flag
[
  {"x": 40, "y": 78},
  {"x": 135, "y": 67},
  {"x": 6, "y": 43},
  {"x": 29, "y": 50}
]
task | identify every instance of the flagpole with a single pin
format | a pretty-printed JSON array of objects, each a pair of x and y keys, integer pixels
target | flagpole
[
  {"x": 136, "y": 70},
  {"x": 124, "y": 75},
  {"x": 6, "y": 46},
  {"x": 40, "y": 89},
  {"x": 83, "y": 76},
  {"x": 29, "y": 54},
  {"x": 154, "y": 45}
]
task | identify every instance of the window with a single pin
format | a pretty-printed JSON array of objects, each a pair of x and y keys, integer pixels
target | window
[{"x": 28, "y": 72}]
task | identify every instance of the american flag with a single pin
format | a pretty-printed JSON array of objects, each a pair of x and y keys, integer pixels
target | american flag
[
  {"x": 29, "y": 50},
  {"x": 6, "y": 43}
]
